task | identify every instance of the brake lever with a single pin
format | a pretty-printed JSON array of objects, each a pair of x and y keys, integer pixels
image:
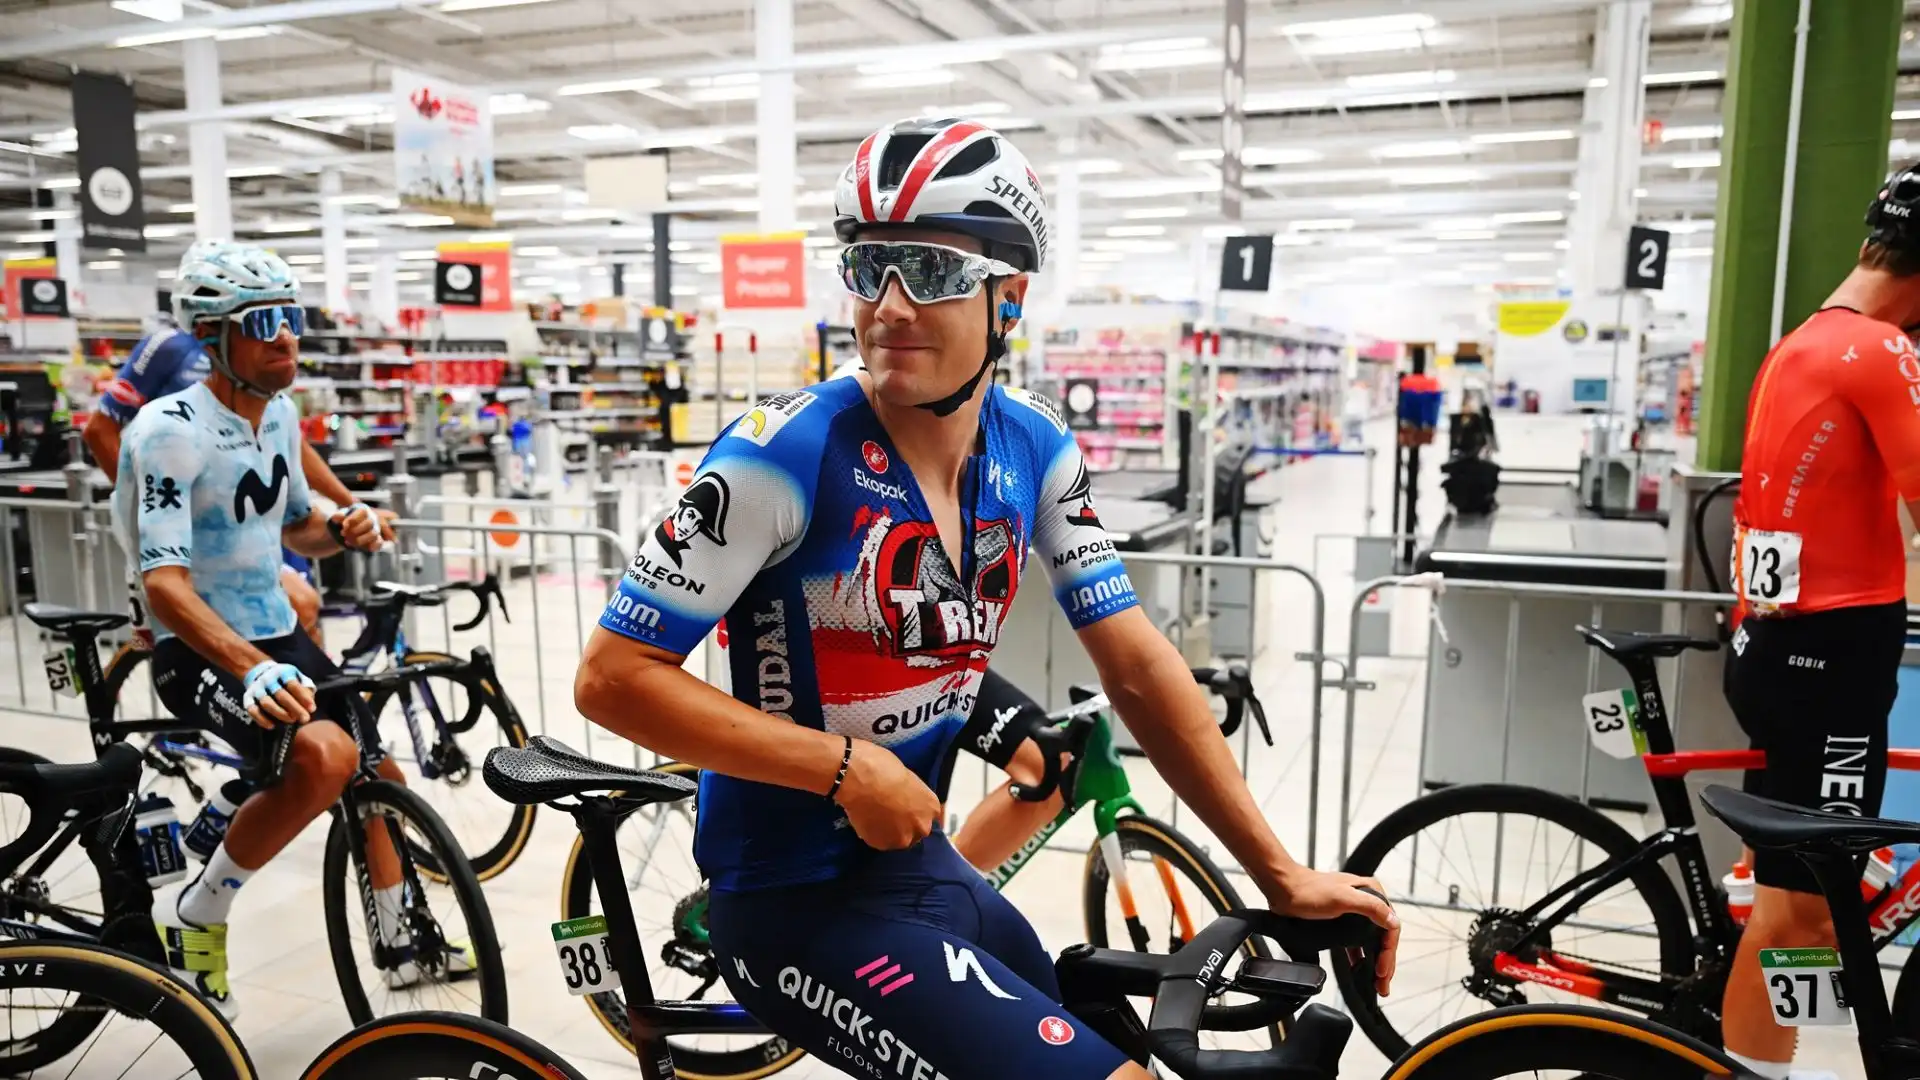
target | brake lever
[
  {"x": 1069, "y": 739},
  {"x": 1260, "y": 717}
]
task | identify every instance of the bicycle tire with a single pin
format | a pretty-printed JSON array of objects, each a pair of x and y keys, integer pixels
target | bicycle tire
[
  {"x": 490, "y": 972},
  {"x": 513, "y": 840},
  {"x": 1906, "y": 995},
  {"x": 1671, "y": 921},
  {"x": 1138, "y": 832},
  {"x": 1527, "y": 1038},
  {"x": 610, "y": 1008},
  {"x": 397, "y": 1047},
  {"x": 126, "y": 984}
]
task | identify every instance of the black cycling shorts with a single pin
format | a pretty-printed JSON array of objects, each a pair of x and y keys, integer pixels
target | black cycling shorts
[
  {"x": 210, "y": 698},
  {"x": 1002, "y": 717},
  {"x": 1814, "y": 692}
]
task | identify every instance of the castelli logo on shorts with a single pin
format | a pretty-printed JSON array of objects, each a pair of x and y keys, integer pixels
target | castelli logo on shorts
[
  {"x": 876, "y": 457},
  {"x": 1055, "y": 1031}
]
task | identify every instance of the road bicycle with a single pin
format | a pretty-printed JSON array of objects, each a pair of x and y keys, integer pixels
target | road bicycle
[
  {"x": 1808, "y": 988},
  {"x": 1098, "y": 986},
  {"x": 62, "y": 989},
  {"x": 1615, "y": 930},
  {"x": 1145, "y": 910},
  {"x": 445, "y": 700},
  {"x": 432, "y": 865}
]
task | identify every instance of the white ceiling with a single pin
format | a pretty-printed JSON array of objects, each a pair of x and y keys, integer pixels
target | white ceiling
[{"x": 1445, "y": 139}]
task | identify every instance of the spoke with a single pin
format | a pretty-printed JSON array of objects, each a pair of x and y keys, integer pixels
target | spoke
[{"x": 157, "y": 1036}]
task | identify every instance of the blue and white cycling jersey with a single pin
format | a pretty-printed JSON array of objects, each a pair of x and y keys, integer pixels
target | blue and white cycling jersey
[
  {"x": 164, "y": 362},
  {"x": 199, "y": 488},
  {"x": 807, "y": 533}
]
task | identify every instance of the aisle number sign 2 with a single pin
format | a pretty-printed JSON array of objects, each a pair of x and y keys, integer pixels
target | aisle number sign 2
[
  {"x": 763, "y": 271},
  {"x": 1613, "y": 723}
]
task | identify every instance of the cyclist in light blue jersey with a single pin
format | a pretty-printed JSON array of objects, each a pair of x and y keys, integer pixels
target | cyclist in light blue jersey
[
  {"x": 209, "y": 490},
  {"x": 863, "y": 540}
]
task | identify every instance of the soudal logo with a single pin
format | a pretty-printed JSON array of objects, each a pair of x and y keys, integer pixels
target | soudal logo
[
  {"x": 876, "y": 457},
  {"x": 896, "y": 492}
]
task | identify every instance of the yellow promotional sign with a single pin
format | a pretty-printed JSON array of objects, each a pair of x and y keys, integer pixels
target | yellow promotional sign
[{"x": 1528, "y": 318}]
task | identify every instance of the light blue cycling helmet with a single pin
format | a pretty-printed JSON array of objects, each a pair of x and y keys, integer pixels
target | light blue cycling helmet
[{"x": 219, "y": 277}]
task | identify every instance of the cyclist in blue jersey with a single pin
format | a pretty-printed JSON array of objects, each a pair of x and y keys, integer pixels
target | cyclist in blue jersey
[
  {"x": 208, "y": 498},
  {"x": 864, "y": 539},
  {"x": 168, "y": 361}
]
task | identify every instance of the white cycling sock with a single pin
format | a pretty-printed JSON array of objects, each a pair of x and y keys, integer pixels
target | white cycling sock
[
  {"x": 388, "y": 906},
  {"x": 207, "y": 900},
  {"x": 1772, "y": 1070}
]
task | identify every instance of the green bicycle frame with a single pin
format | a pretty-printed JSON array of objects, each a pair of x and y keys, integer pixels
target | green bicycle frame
[{"x": 1103, "y": 782}]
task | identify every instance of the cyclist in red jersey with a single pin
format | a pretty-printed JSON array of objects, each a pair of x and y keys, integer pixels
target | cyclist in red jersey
[{"x": 1832, "y": 445}]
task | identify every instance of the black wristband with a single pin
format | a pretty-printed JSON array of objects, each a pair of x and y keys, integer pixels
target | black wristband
[
  {"x": 336, "y": 528},
  {"x": 846, "y": 760}
]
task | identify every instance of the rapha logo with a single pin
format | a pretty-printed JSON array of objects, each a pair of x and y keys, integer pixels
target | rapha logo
[{"x": 262, "y": 495}]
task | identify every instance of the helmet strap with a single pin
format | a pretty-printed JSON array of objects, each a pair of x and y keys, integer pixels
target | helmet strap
[
  {"x": 1008, "y": 313},
  {"x": 220, "y": 364}
]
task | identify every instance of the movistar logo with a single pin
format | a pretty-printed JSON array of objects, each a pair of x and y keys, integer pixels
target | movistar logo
[{"x": 262, "y": 495}]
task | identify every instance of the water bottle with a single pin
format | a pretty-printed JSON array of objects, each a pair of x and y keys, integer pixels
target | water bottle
[
  {"x": 1877, "y": 875},
  {"x": 210, "y": 827},
  {"x": 1739, "y": 886},
  {"x": 157, "y": 829}
]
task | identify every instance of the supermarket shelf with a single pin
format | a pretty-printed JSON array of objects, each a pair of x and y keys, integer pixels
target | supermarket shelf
[{"x": 582, "y": 414}]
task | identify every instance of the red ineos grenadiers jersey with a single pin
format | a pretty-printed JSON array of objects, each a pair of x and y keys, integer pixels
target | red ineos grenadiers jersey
[
  {"x": 805, "y": 531},
  {"x": 1833, "y": 440}
]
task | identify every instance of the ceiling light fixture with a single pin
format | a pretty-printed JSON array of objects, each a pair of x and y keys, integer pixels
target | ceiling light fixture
[
  {"x": 1528, "y": 217},
  {"x": 1499, "y": 138},
  {"x": 1692, "y": 252},
  {"x": 1149, "y": 213},
  {"x": 901, "y": 80},
  {"x": 303, "y": 260},
  {"x": 1358, "y": 44},
  {"x": 609, "y": 86},
  {"x": 157, "y": 10},
  {"x": 1669, "y": 78},
  {"x": 1394, "y": 79},
  {"x": 1528, "y": 256},
  {"x": 510, "y": 191},
  {"x": 1695, "y": 161},
  {"x": 1413, "y": 248},
  {"x": 1906, "y": 114},
  {"x": 1321, "y": 224},
  {"x": 1432, "y": 148},
  {"x": 601, "y": 132},
  {"x": 358, "y": 243},
  {"x": 1468, "y": 234},
  {"x": 242, "y": 172},
  {"x": 482, "y": 5},
  {"x": 1424, "y": 177},
  {"x": 1693, "y": 131},
  {"x": 1136, "y": 230}
]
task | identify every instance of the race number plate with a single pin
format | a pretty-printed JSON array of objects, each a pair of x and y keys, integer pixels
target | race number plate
[
  {"x": 581, "y": 945},
  {"x": 1769, "y": 567},
  {"x": 63, "y": 671},
  {"x": 1804, "y": 987},
  {"x": 1613, "y": 723}
]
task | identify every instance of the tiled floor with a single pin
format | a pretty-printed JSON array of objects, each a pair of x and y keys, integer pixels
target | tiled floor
[{"x": 280, "y": 961}]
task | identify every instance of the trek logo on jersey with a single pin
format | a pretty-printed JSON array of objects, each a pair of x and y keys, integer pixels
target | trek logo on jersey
[
  {"x": 702, "y": 511},
  {"x": 163, "y": 494},
  {"x": 926, "y": 609},
  {"x": 874, "y": 455},
  {"x": 644, "y": 571},
  {"x": 764, "y": 420},
  {"x": 262, "y": 495},
  {"x": 1080, "y": 496},
  {"x": 896, "y": 492},
  {"x": 1102, "y": 597}
]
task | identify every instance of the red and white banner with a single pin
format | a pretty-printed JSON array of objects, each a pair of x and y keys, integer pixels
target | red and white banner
[
  {"x": 17, "y": 272},
  {"x": 763, "y": 271},
  {"x": 496, "y": 272}
]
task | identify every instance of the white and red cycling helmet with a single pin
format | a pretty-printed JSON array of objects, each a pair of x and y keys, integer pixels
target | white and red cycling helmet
[{"x": 944, "y": 173}]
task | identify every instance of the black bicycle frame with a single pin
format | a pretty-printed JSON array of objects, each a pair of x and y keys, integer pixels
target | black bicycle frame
[
  {"x": 650, "y": 1022},
  {"x": 1885, "y": 1053}
]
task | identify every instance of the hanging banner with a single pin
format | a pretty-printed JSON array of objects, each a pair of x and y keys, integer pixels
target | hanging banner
[
  {"x": 1233, "y": 98},
  {"x": 763, "y": 271},
  {"x": 457, "y": 284},
  {"x": 20, "y": 272},
  {"x": 111, "y": 213},
  {"x": 495, "y": 261},
  {"x": 443, "y": 148},
  {"x": 44, "y": 298}
]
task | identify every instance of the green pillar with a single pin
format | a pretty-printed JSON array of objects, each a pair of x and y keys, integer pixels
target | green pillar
[{"x": 1845, "y": 120}]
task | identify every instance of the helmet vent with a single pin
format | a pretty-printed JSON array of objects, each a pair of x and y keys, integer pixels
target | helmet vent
[{"x": 971, "y": 160}]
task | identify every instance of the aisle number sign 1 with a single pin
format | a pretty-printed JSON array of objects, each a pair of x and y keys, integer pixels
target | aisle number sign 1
[
  {"x": 1804, "y": 987},
  {"x": 1613, "y": 723}
]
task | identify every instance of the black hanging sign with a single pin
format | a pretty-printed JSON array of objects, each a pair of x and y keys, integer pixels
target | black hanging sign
[
  {"x": 1081, "y": 404},
  {"x": 456, "y": 284},
  {"x": 1647, "y": 258},
  {"x": 44, "y": 297},
  {"x": 1246, "y": 263},
  {"x": 111, "y": 212}
]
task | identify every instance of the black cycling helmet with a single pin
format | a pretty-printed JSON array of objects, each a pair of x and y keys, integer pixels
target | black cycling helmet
[{"x": 1893, "y": 221}]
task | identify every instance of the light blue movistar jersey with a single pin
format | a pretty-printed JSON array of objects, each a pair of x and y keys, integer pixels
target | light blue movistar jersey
[{"x": 200, "y": 489}]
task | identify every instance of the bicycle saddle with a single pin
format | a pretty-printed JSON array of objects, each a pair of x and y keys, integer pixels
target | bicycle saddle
[
  {"x": 1768, "y": 823},
  {"x": 67, "y": 621},
  {"x": 548, "y": 769},
  {"x": 1629, "y": 644},
  {"x": 117, "y": 768}
]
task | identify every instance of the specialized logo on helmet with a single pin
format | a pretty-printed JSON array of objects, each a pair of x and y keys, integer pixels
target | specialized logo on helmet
[{"x": 1034, "y": 183}]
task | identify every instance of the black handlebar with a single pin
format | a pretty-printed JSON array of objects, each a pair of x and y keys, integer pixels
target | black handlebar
[
  {"x": 1235, "y": 684},
  {"x": 486, "y": 590},
  {"x": 1066, "y": 741}
]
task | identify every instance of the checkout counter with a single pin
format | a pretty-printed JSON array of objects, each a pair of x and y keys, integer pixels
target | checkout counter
[{"x": 1503, "y": 695}]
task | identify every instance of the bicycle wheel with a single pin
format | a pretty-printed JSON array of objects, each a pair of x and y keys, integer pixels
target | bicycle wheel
[
  {"x": 1463, "y": 863},
  {"x": 1563, "y": 1040},
  {"x": 436, "y": 1046},
  {"x": 68, "y": 887},
  {"x": 435, "y": 913},
  {"x": 451, "y": 716},
  {"x": 1155, "y": 913},
  {"x": 669, "y": 909},
  {"x": 125, "y": 999}
]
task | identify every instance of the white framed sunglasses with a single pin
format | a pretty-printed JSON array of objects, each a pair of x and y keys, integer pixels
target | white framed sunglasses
[{"x": 930, "y": 273}]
